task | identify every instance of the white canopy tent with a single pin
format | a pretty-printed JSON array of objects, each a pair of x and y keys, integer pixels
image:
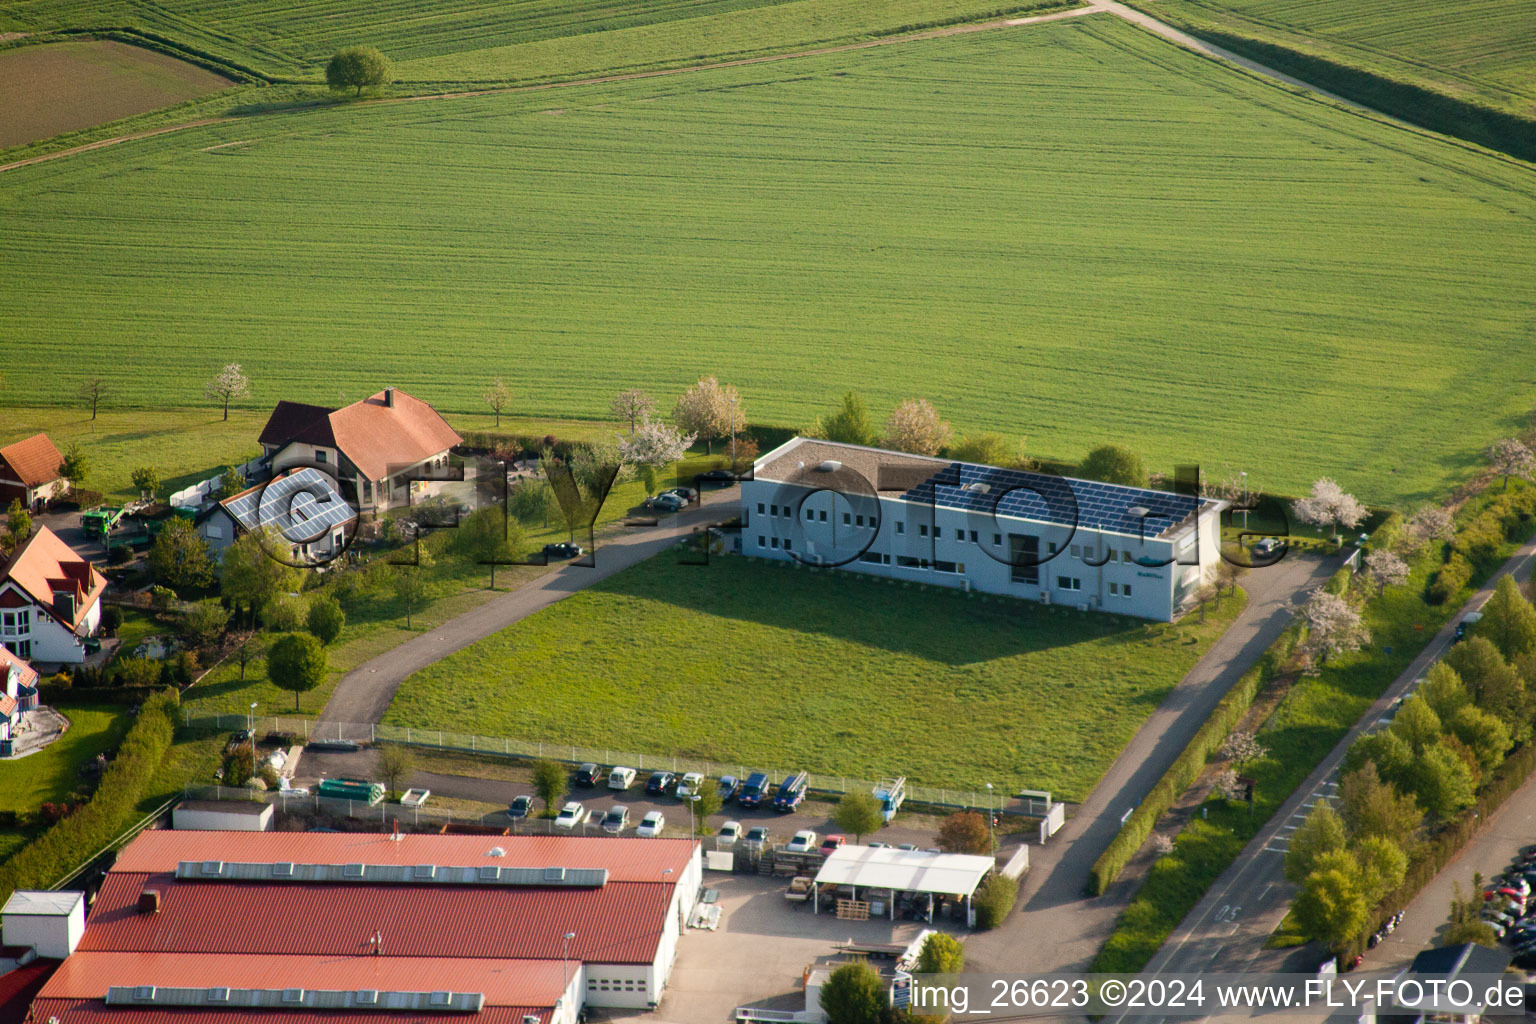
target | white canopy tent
[{"x": 908, "y": 871}]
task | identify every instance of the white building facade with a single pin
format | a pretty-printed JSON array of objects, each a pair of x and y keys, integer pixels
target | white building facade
[{"x": 1034, "y": 536}]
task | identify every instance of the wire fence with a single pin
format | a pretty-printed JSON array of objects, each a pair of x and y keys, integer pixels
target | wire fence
[{"x": 1032, "y": 803}]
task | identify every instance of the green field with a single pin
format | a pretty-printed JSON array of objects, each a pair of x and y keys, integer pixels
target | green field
[
  {"x": 836, "y": 673},
  {"x": 500, "y": 40},
  {"x": 50, "y": 774},
  {"x": 1071, "y": 231},
  {"x": 1481, "y": 50}
]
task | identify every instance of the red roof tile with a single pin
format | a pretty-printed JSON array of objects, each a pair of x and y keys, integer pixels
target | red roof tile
[
  {"x": 28, "y": 673},
  {"x": 45, "y": 565},
  {"x": 379, "y": 438},
  {"x": 94, "y": 1011},
  {"x": 34, "y": 461}
]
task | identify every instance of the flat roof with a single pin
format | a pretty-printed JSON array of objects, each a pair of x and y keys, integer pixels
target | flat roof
[
  {"x": 42, "y": 903},
  {"x": 950, "y": 874},
  {"x": 251, "y": 807}
]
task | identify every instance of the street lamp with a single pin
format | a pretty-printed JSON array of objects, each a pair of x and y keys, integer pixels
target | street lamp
[
  {"x": 693, "y": 798},
  {"x": 565, "y": 959},
  {"x": 1245, "y": 499},
  {"x": 991, "y": 819},
  {"x": 733, "y": 433},
  {"x": 250, "y": 723}
]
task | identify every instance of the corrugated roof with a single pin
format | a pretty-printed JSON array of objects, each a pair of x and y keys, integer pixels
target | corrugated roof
[
  {"x": 19, "y": 987},
  {"x": 955, "y": 874},
  {"x": 618, "y": 923},
  {"x": 88, "y": 975},
  {"x": 45, "y": 565},
  {"x": 34, "y": 460},
  {"x": 95, "y": 1011},
  {"x": 627, "y": 859}
]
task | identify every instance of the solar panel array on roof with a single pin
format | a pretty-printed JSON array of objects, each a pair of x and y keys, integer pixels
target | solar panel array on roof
[
  {"x": 304, "y": 506},
  {"x": 1064, "y": 501}
]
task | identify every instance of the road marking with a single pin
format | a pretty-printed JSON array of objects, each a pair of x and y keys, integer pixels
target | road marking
[{"x": 1265, "y": 891}]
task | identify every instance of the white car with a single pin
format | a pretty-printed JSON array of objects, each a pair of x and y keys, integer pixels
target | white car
[
  {"x": 621, "y": 778},
  {"x": 804, "y": 842},
  {"x": 651, "y": 825},
  {"x": 571, "y": 815},
  {"x": 692, "y": 782},
  {"x": 729, "y": 833}
]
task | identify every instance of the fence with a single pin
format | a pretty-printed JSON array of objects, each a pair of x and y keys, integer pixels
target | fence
[
  {"x": 200, "y": 492},
  {"x": 439, "y": 739}
]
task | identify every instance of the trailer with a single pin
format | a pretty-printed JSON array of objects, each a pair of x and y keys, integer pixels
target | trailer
[
  {"x": 891, "y": 793},
  {"x": 352, "y": 789}
]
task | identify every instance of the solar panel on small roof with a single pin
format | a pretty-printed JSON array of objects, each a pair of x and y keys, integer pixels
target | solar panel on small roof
[{"x": 304, "y": 506}]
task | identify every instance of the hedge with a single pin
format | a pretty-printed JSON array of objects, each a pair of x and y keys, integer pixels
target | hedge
[
  {"x": 994, "y": 899},
  {"x": 1186, "y": 768},
  {"x": 64, "y": 847},
  {"x": 63, "y": 695}
]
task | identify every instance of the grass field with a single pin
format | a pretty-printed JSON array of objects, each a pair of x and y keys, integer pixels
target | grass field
[
  {"x": 66, "y": 86},
  {"x": 51, "y": 774},
  {"x": 1483, "y": 50},
  {"x": 1071, "y": 231},
  {"x": 837, "y": 673},
  {"x": 500, "y": 40}
]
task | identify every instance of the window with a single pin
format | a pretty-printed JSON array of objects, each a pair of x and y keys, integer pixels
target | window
[
  {"x": 774, "y": 509},
  {"x": 945, "y": 567},
  {"x": 20, "y": 648},
  {"x": 847, "y": 519},
  {"x": 870, "y": 556},
  {"x": 761, "y": 542},
  {"x": 809, "y": 514},
  {"x": 320, "y": 455},
  {"x": 760, "y": 508},
  {"x": 823, "y": 515},
  {"x": 1053, "y": 547},
  {"x": 774, "y": 542},
  {"x": 901, "y": 528},
  {"x": 17, "y": 623},
  {"x": 910, "y": 563},
  {"x": 1125, "y": 556},
  {"x": 1076, "y": 551},
  {"x": 1114, "y": 588},
  {"x": 786, "y": 543},
  {"x": 922, "y": 529},
  {"x": 997, "y": 540},
  {"x": 858, "y": 520},
  {"x": 973, "y": 536},
  {"x": 1068, "y": 583},
  {"x": 1125, "y": 591},
  {"x": 787, "y": 513},
  {"x": 215, "y": 531}
]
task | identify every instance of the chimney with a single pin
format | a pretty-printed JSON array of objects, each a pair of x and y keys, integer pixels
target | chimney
[
  {"x": 149, "y": 901},
  {"x": 389, "y": 397}
]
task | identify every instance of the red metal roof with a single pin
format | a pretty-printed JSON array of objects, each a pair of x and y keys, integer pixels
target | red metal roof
[
  {"x": 19, "y": 987},
  {"x": 94, "y": 1011},
  {"x": 87, "y": 975},
  {"x": 627, "y": 859},
  {"x": 617, "y": 923}
]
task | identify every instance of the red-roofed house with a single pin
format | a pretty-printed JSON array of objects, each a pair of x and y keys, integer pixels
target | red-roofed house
[
  {"x": 29, "y": 470},
  {"x": 377, "y": 445},
  {"x": 18, "y": 693},
  {"x": 50, "y": 601}
]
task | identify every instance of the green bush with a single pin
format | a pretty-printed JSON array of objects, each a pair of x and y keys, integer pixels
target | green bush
[
  {"x": 1453, "y": 575},
  {"x": 993, "y": 899},
  {"x": 325, "y": 618},
  {"x": 284, "y": 614},
  {"x": 67, "y": 845},
  {"x": 111, "y": 620},
  {"x": 1339, "y": 582}
]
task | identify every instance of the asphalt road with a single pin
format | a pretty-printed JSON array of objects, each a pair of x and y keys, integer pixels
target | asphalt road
[{"x": 1226, "y": 932}]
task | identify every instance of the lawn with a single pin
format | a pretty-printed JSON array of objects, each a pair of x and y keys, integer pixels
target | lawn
[
  {"x": 50, "y": 774},
  {"x": 752, "y": 662},
  {"x": 1072, "y": 232}
]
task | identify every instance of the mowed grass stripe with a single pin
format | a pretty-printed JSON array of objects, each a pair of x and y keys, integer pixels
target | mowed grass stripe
[{"x": 1070, "y": 231}]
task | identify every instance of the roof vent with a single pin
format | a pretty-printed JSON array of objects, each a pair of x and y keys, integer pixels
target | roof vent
[
  {"x": 293, "y": 995},
  {"x": 554, "y": 874},
  {"x": 282, "y": 869},
  {"x": 425, "y": 872},
  {"x": 352, "y": 871},
  {"x": 488, "y": 873},
  {"x": 495, "y": 851},
  {"x": 213, "y": 867},
  {"x": 218, "y": 995},
  {"x": 144, "y": 993},
  {"x": 366, "y": 996},
  {"x": 978, "y": 487},
  {"x": 149, "y": 901},
  {"x": 830, "y": 466},
  {"x": 528, "y": 1018},
  {"x": 440, "y": 999},
  {"x": 1138, "y": 511}
]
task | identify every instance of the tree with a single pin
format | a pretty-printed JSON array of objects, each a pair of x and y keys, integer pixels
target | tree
[
  {"x": 1333, "y": 626},
  {"x": 1431, "y": 522},
  {"x": 1386, "y": 569},
  {"x": 941, "y": 954},
  {"x": 1228, "y": 574},
  {"x": 1509, "y": 621},
  {"x": 91, "y": 390},
  {"x": 1204, "y": 594},
  {"x": 228, "y": 384},
  {"x": 1510, "y": 457},
  {"x": 76, "y": 467},
  {"x": 993, "y": 900},
  {"x": 1329, "y": 507},
  {"x": 1383, "y": 865},
  {"x": 1384, "y": 749},
  {"x": 549, "y": 781},
  {"x": 204, "y": 623},
  {"x": 325, "y": 619},
  {"x": 1444, "y": 691},
  {"x": 396, "y": 764},
  {"x": 986, "y": 450},
  {"x": 914, "y": 426},
  {"x": 498, "y": 396},
  {"x": 411, "y": 588},
  {"x": 709, "y": 410},
  {"x": 147, "y": 480},
  {"x": 1229, "y": 785},
  {"x": 851, "y": 423},
  {"x": 655, "y": 445},
  {"x": 854, "y": 994},
  {"x": 249, "y": 645},
  {"x": 1441, "y": 781},
  {"x": 18, "y": 524},
  {"x": 179, "y": 557},
  {"x": 297, "y": 662},
  {"x": 1467, "y": 924},
  {"x": 1493, "y": 683},
  {"x": 965, "y": 832},
  {"x": 1321, "y": 833},
  {"x": 1242, "y": 747},
  {"x": 1331, "y": 906},
  {"x": 356, "y": 67},
  {"x": 706, "y": 804},
  {"x": 1483, "y": 733},
  {"x": 858, "y": 812},
  {"x": 249, "y": 575},
  {"x": 1114, "y": 464},
  {"x": 633, "y": 405},
  {"x": 490, "y": 538},
  {"x": 1371, "y": 807},
  {"x": 1417, "y": 724},
  {"x": 231, "y": 482}
]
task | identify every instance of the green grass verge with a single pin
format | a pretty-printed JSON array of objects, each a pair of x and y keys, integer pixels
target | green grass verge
[
  {"x": 50, "y": 774},
  {"x": 833, "y": 212},
  {"x": 834, "y": 672}
]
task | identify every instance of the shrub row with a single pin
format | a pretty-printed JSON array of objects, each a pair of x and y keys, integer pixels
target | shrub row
[
  {"x": 172, "y": 48},
  {"x": 1186, "y": 768},
  {"x": 65, "y": 846},
  {"x": 994, "y": 899},
  {"x": 63, "y": 695}
]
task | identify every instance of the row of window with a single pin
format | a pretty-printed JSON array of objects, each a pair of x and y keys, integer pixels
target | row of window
[
  {"x": 17, "y": 623},
  {"x": 20, "y": 648},
  {"x": 615, "y": 985},
  {"x": 958, "y": 568}
]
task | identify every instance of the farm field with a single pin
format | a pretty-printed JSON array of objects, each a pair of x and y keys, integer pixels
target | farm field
[
  {"x": 61, "y": 87},
  {"x": 503, "y": 40},
  {"x": 839, "y": 674},
  {"x": 1483, "y": 50},
  {"x": 1027, "y": 221}
]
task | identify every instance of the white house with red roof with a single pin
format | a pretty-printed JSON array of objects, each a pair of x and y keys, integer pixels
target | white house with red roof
[
  {"x": 18, "y": 693},
  {"x": 50, "y": 601},
  {"x": 377, "y": 445},
  {"x": 29, "y": 470}
]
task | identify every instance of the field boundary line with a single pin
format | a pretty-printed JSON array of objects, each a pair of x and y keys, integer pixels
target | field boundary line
[{"x": 103, "y": 143}]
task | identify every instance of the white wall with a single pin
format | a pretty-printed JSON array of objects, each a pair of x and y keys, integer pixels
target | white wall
[
  {"x": 53, "y": 935},
  {"x": 52, "y": 642},
  {"x": 204, "y": 820}
]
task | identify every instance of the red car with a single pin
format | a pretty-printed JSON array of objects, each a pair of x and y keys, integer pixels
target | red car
[{"x": 832, "y": 843}]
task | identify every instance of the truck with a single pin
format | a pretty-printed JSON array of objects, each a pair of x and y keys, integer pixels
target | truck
[
  {"x": 754, "y": 790},
  {"x": 791, "y": 792},
  {"x": 352, "y": 789},
  {"x": 891, "y": 793},
  {"x": 98, "y": 522}
]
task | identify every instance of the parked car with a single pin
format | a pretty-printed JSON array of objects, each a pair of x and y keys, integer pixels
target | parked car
[
  {"x": 1467, "y": 622},
  {"x": 691, "y": 784},
  {"x": 651, "y": 825},
  {"x": 571, "y": 815},
  {"x": 1267, "y": 547},
  {"x": 791, "y": 792},
  {"x": 878, "y": 845},
  {"x": 724, "y": 477},
  {"x": 757, "y": 836},
  {"x": 616, "y": 820},
  {"x": 589, "y": 775},
  {"x": 804, "y": 841},
  {"x": 621, "y": 778},
  {"x": 563, "y": 549},
  {"x": 754, "y": 790},
  {"x": 727, "y": 788},
  {"x": 728, "y": 834},
  {"x": 660, "y": 783},
  {"x": 664, "y": 502},
  {"x": 683, "y": 494},
  {"x": 907, "y": 846},
  {"x": 519, "y": 807},
  {"x": 831, "y": 843}
]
